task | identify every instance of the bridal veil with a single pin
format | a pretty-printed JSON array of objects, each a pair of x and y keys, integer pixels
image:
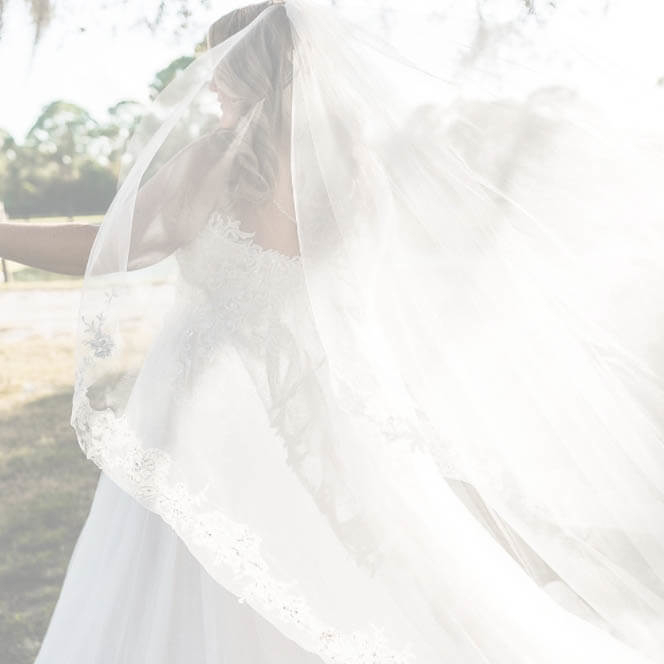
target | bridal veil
[{"x": 419, "y": 418}]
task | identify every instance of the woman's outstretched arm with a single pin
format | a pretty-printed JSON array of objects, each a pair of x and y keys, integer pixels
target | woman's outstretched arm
[
  {"x": 62, "y": 248},
  {"x": 157, "y": 229}
]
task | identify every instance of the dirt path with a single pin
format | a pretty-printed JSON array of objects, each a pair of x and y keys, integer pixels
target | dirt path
[{"x": 47, "y": 312}]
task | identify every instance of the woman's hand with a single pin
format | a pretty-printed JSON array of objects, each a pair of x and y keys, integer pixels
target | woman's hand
[{"x": 63, "y": 248}]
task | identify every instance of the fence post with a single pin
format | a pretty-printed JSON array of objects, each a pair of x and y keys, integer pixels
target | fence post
[{"x": 5, "y": 269}]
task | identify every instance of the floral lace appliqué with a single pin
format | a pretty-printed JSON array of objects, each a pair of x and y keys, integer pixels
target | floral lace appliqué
[
  {"x": 231, "y": 289},
  {"x": 96, "y": 338},
  {"x": 148, "y": 475}
]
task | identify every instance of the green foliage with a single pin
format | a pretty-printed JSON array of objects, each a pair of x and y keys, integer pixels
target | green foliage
[
  {"x": 167, "y": 74},
  {"x": 68, "y": 164}
]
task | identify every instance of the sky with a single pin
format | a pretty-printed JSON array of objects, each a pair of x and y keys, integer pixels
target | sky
[
  {"x": 89, "y": 55},
  {"x": 94, "y": 53}
]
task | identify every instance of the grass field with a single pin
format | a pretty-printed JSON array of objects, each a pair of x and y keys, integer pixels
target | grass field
[{"x": 46, "y": 483}]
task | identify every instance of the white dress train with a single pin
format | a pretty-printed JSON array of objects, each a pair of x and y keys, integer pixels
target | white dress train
[
  {"x": 474, "y": 297},
  {"x": 134, "y": 594}
]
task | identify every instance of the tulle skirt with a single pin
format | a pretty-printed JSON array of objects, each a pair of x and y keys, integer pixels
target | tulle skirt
[{"x": 134, "y": 594}]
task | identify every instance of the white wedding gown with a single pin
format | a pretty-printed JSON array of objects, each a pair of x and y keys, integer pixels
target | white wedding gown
[
  {"x": 470, "y": 338},
  {"x": 133, "y": 593}
]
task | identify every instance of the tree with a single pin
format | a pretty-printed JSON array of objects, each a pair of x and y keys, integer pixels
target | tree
[
  {"x": 41, "y": 12},
  {"x": 62, "y": 167},
  {"x": 69, "y": 162},
  {"x": 167, "y": 74},
  {"x": 112, "y": 137}
]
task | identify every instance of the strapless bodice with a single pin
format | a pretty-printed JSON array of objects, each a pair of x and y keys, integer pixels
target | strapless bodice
[
  {"x": 230, "y": 284},
  {"x": 222, "y": 249}
]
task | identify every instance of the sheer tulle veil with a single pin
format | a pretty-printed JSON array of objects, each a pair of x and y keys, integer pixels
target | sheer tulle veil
[{"x": 433, "y": 433}]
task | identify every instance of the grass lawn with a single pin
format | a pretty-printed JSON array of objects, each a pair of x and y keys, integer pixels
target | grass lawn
[{"x": 46, "y": 484}]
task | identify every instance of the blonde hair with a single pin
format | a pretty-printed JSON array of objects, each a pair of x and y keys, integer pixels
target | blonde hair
[{"x": 256, "y": 69}]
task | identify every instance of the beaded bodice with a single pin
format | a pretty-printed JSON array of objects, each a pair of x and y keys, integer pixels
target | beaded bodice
[
  {"x": 236, "y": 284},
  {"x": 233, "y": 292}
]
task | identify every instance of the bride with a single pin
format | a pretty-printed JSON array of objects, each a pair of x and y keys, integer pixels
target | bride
[{"x": 366, "y": 361}]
